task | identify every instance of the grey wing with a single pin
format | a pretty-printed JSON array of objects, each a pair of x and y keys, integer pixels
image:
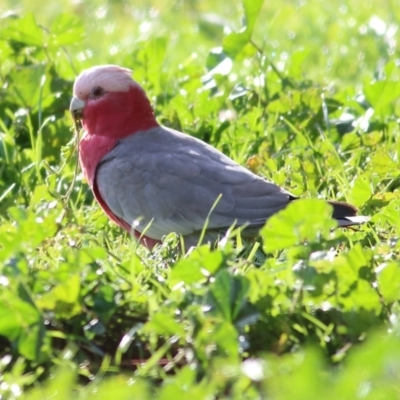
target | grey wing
[{"x": 164, "y": 181}]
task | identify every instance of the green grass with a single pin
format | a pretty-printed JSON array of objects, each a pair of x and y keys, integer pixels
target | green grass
[{"x": 304, "y": 313}]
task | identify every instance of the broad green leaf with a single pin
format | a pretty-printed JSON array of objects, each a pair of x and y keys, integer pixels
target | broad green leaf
[
  {"x": 151, "y": 57},
  {"x": 375, "y": 361},
  {"x": 362, "y": 296},
  {"x": 104, "y": 302},
  {"x": 184, "y": 386},
  {"x": 30, "y": 89},
  {"x": 383, "y": 162},
  {"x": 66, "y": 29},
  {"x": 351, "y": 141},
  {"x": 229, "y": 294},
  {"x": 260, "y": 283},
  {"x": 58, "y": 388},
  {"x": 30, "y": 341},
  {"x": 361, "y": 190},
  {"x": 33, "y": 227},
  {"x": 63, "y": 299},
  {"x": 347, "y": 266},
  {"x": 354, "y": 289},
  {"x": 235, "y": 42},
  {"x": 197, "y": 267},
  {"x": 164, "y": 324},
  {"x": 23, "y": 30},
  {"x": 389, "y": 214},
  {"x": 251, "y": 11},
  {"x": 301, "y": 385},
  {"x": 8, "y": 240},
  {"x": 121, "y": 387},
  {"x": 381, "y": 93},
  {"x": 302, "y": 220},
  {"x": 217, "y": 338},
  {"x": 16, "y": 315},
  {"x": 389, "y": 281}
]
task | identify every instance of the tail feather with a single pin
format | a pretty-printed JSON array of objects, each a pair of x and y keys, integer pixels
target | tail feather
[
  {"x": 346, "y": 214},
  {"x": 350, "y": 221}
]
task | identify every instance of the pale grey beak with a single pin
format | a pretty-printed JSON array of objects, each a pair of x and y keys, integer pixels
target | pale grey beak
[{"x": 76, "y": 107}]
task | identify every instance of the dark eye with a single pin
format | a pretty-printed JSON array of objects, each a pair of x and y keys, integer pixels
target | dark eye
[{"x": 97, "y": 91}]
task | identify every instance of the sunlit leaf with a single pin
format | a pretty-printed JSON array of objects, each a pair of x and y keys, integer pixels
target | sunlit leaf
[
  {"x": 164, "y": 324},
  {"x": 23, "y": 30},
  {"x": 199, "y": 265},
  {"x": 389, "y": 281},
  {"x": 66, "y": 29},
  {"x": 229, "y": 294},
  {"x": 63, "y": 299},
  {"x": 361, "y": 190},
  {"x": 235, "y": 42},
  {"x": 301, "y": 221}
]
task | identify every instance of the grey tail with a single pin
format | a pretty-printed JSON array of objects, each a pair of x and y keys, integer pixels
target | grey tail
[{"x": 346, "y": 214}]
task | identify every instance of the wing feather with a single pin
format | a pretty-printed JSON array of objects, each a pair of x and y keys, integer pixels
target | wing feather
[{"x": 173, "y": 180}]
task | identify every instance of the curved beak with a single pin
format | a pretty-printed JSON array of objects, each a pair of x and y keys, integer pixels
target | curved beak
[{"x": 76, "y": 107}]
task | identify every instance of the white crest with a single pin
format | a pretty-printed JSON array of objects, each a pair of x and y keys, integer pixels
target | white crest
[{"x": 109, "y": 77}]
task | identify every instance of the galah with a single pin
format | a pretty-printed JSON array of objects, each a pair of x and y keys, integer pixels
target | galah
[{"x": 152, "y": 180}]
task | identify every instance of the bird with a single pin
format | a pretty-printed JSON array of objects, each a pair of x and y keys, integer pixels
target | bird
[{"x": 152, "y": 180}]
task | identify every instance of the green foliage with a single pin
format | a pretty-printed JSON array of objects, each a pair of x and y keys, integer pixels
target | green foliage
[{"x": 303, "y": 93}]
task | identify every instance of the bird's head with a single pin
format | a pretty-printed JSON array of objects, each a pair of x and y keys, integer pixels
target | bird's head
[{"x": 110, "y": 103}]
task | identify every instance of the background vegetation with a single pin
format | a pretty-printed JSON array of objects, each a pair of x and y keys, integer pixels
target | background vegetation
[{"x": 305, "y": 93}]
